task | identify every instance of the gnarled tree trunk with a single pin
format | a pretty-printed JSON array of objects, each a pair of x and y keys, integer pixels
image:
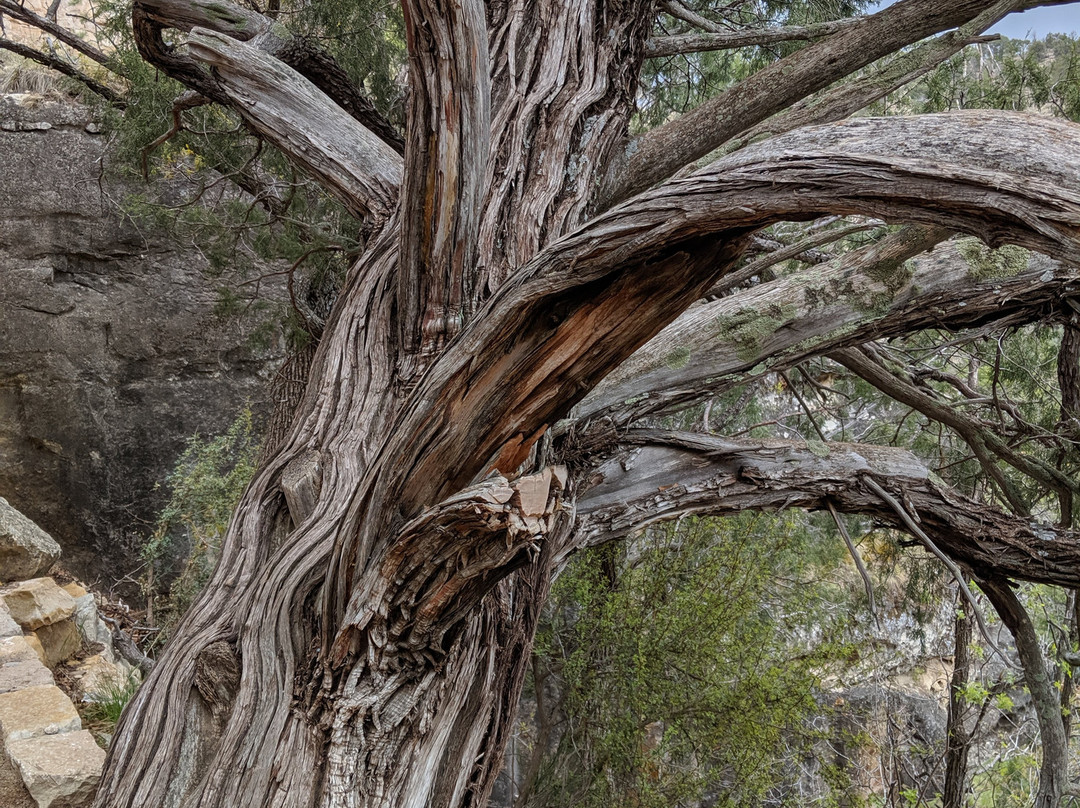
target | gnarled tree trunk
[{"x": 364, "y": 637}]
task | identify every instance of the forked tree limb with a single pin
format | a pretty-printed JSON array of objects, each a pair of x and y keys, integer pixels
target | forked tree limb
[
  {"x": 291, "y": 113},
  {"x": 983, "y": 441},
  {"x": 848, "y": 98},
  {"x": 862, "y": 296},
  {"x": 663, "y": 151},
  {"x": 301, "y": 54},
  {"x": 592, "y": 298},
  {"x": 654, "y": 475}
]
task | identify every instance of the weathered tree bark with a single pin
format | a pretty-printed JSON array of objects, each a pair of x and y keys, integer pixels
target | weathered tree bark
[
  {"x": 293, "y": 114},
  {"x": 872, "y": 293},
  {"x": 302, "y": 55},
  {"x": 365, "y": 634},
  {"x": 648, "y": 476},
  {"x": 957, "y": 735},
  {"x": 1054, "y": 769}
]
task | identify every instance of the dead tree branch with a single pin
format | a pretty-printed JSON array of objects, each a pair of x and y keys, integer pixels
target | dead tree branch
[{"x": 713, "y": 41}]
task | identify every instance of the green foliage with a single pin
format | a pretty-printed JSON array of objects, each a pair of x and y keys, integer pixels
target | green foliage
[
  {"x": 1011, "y": 782},
  {"x": 1008, "y": 74},
  {"x": 676, "y": 674},
  {"x": 674, "y": 84},
  {"x": 366, "y": 37},
  {"x": 205, "y": 485},
  {"x": 238, "y": 200}
]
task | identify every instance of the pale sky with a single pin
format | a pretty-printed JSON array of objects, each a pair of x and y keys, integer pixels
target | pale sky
[{"x": 1036, "y": 23}]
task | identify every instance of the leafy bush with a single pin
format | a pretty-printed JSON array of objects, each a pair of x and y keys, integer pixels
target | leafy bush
[
  {"x": 670, "y": 670},
  {"x": 206, "y": 485}
]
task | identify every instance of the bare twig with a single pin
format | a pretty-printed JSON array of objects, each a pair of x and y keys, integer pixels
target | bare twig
[
  {"x": 186, "y": 100},
  {"x": 859, "y": 565},
  {"x": 928, "y": 543},
  {"x": 796, "y": 250},
  {"x": 61, "y": 66},
  {"x": 18, "y": 11},
  {"x": 748, "y": 38}
]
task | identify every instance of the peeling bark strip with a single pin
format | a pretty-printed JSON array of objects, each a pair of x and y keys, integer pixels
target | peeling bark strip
[
  {"x": 445, "y": 561},
  {"x": 656, "y": 476},
  {"x": 445, "y": 158},
  {"x": 564, "y": 77}
]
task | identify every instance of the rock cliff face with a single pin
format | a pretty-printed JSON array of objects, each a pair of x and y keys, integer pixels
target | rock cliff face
[{"x": 110, "y": 353}]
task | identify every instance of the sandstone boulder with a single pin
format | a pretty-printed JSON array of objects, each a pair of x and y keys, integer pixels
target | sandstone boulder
[
  {"x": 8, "y": 626},
  {"x": 19, "y": 675},
  {"x": 26, "y": 551},
  {"x": 38, "y": 602},
  {"x": 35, "y": 711},
  {"x": 35, "y": 645},
  {"x": 76, "y": 590},
  {"x": 20, "y": 666},
  {"x": 16, "y": 649},
  {"x": 59, "y": 771},
  {"x": 99, "y": 678},
  {"x": 89, "y": 622},
  {"x": 60, "y": 641}
]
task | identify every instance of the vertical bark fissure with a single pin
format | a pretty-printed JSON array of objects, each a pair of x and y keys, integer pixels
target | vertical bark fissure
[{"x": 564, "y": 77}]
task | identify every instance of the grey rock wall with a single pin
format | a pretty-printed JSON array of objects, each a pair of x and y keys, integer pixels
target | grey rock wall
[{"x": 110, "y": 353}]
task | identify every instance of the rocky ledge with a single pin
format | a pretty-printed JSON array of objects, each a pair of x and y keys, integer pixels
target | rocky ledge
[
  {"x": 111, "y": 350},
  {"x": 48, "y": 760}
]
